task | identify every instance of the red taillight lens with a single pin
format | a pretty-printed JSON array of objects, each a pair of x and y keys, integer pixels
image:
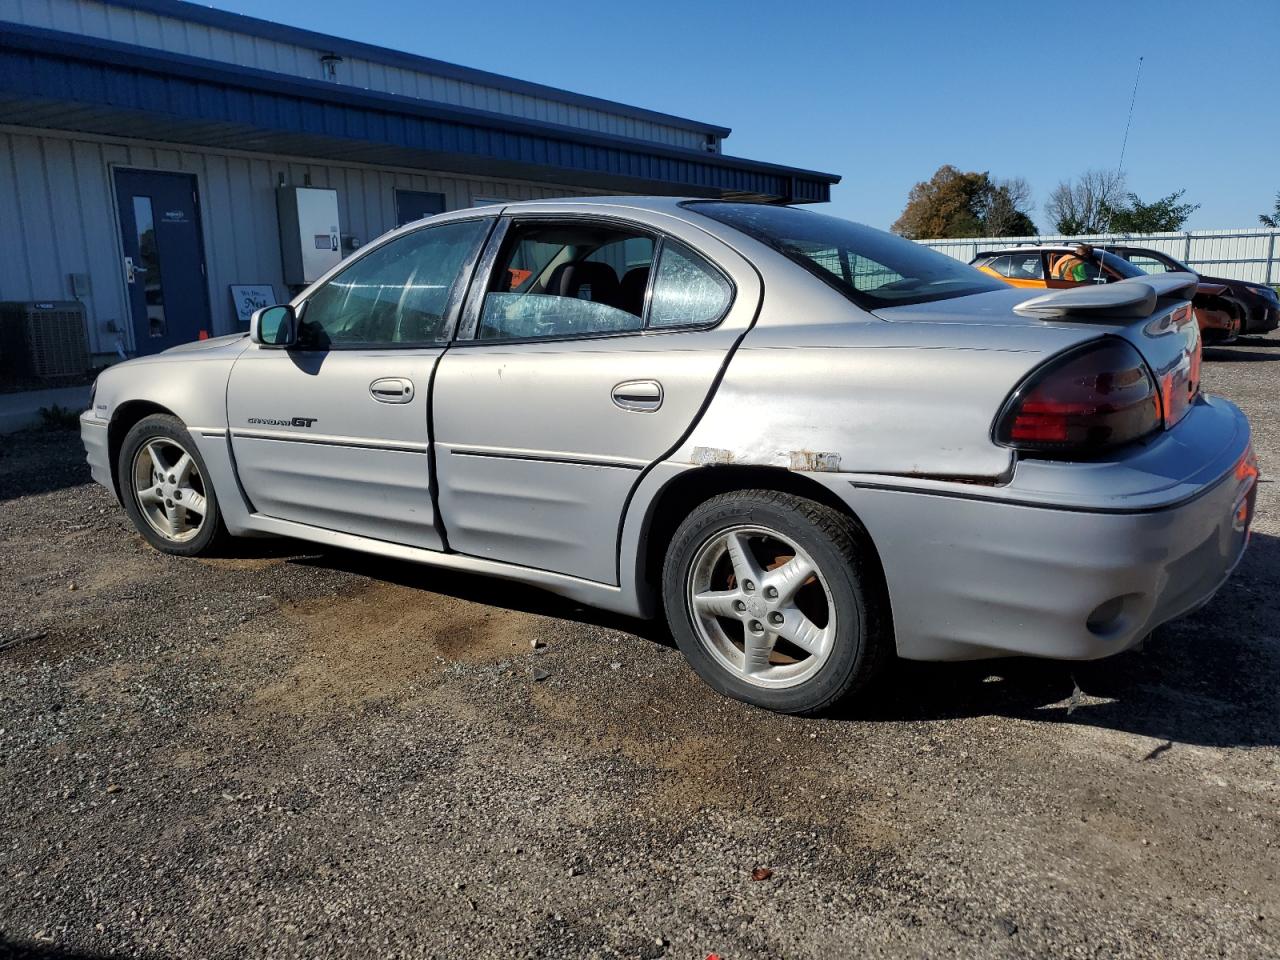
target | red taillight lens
[{"x": 1083, "y": 403}]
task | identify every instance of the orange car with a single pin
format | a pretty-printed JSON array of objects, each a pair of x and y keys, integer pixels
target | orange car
[{"x": 1056, "y": 267}]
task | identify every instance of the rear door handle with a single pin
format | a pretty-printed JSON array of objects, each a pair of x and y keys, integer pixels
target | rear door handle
[
  {"x": 392, "y": 390},
  {"x": 638, "y": 396}
]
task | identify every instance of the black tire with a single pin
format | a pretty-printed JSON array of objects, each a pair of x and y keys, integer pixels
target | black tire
[
  {"x": 212, "y": 533},
  {"x": 841, "y": 549}
]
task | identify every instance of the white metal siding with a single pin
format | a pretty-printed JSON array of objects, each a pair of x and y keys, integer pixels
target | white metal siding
[
  {"x": 193, "y": 39},
  {"x": 58, "y": 212},
  {"x": 1251, "y": 254}
]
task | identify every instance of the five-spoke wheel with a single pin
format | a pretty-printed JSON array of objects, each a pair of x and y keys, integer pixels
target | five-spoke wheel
[
  {"x": 761, "y": 606},
  {"x": 775, "y": 599},
  {"x": 164, "y": 484},
  {"x": 170, "y": 489}
]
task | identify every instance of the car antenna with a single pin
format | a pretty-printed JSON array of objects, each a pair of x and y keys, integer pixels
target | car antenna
[{"x": 1133, "y": 97}]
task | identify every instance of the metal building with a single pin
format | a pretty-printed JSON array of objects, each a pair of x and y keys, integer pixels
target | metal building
[{"x": 151, "y": 150}]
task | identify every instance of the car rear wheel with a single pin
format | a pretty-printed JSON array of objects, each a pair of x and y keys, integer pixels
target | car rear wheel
[
  {"x": 773, "y": 601},
  {"x": 164, "y": 484}
]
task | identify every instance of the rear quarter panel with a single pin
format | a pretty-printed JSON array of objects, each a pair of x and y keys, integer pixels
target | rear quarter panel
[{"x": 870, "y": 396}]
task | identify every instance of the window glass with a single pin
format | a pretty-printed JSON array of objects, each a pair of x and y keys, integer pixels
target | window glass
[
  {"x": 1148, "y": 264},
  {"x": 872, "y": 268},
  {"x": 565, "y": 280},
  {"x": 397, "y": 294},
  {"x": 1000, "y": 265},
  {"x": 687, "y": 290},
  {"x": 1023, "y": 266},
  {"x": 149, "y": 265}
]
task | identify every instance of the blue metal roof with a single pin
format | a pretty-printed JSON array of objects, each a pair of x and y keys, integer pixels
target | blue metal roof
[
  {"x": 269, "y": 30},
  {"x": 68, "y": 81}
]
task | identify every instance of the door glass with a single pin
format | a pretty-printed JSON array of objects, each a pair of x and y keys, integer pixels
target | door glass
[
  {"x": 398, "y": 293},
  {"x": 147, "y": 269},
  {"x": 1148, "y": 264},
  {"x": 566, "y": 280},
  {"x": 688, "y": 291}
]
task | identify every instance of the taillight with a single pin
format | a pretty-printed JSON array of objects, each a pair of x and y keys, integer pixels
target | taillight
[{"x": 1083, "y": 403}]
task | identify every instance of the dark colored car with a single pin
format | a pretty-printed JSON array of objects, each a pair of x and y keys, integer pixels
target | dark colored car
[
  {"x": 1062, "y": 266},
  {"x": 1257, "y": 304}
]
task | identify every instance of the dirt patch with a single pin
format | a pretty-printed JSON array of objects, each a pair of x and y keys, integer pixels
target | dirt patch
[{"x": 382, "y": 641}]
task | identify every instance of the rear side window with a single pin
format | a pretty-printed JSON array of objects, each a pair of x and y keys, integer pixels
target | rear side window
[
  {"x": 1148, "y": 264},
  {"x": 559, "y": 279},
  {"x": 1020, "y": 266},
  {"x": 870, "y": 267},
  {"x": 688, "y": 290}
]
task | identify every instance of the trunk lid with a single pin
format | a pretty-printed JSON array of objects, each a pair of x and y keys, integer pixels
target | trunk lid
[{"x": 1153, "y": 313}]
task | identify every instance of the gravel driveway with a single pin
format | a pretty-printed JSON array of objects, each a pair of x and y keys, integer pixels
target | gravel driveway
[{"x": 305, "y": 753}]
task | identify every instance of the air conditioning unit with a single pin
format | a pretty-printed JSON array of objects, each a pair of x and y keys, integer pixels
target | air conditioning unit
[{"x": 43, "y": 339}]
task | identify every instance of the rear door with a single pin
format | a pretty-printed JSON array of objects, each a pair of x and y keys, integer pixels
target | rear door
[
  {"x": 589, "y": 345},
  {"x": 333, "y": 433}
]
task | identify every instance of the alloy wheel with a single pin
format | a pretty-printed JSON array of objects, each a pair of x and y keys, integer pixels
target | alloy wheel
[
  {"x": 169, "y": 489},
  {"x": 761, "y": 607}
]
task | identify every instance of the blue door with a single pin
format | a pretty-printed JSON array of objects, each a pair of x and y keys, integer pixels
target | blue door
[{"x": 163, "y": 258}]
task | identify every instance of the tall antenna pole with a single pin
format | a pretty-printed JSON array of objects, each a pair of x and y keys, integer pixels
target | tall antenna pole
[{"x": 1132, "y": 99}]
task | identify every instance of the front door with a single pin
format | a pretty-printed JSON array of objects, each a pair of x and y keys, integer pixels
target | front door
[
  {"x": 333, "y": 433},
  {"x": 591, "y": 346},
  {"x": 163, "y": 258}
]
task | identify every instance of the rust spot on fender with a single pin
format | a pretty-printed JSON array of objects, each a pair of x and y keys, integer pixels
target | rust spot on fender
[
  {"x": 711, "y": 456},
  {"x": 814, "y": 461}
]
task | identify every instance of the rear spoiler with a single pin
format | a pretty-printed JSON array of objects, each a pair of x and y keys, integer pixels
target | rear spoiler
[{"x": 1131, "y": 299}]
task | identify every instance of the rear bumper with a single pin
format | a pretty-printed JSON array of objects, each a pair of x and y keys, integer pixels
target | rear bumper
[
  {"x": 93, "y": 434},
  {"x": 979, "y": 576}
]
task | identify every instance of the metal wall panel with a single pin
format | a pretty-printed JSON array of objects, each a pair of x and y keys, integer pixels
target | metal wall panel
[
  {"x": 199, "y": 40},
  {"x": 57, "y": 205},
  {"x": 1251, "y": 254}
]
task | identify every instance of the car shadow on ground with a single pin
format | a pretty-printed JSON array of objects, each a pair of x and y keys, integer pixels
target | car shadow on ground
[
  {"x": 1258, "y": 340},
  {"x": 1234, "y": 354},
  {"x": 1211, "y": 678},
  {"x": 504, "y": 594}
]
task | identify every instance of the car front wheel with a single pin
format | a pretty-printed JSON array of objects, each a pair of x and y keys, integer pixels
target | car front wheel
[
  {"x": 164, "y": 484},
  {"x": 773, "y": 600}
]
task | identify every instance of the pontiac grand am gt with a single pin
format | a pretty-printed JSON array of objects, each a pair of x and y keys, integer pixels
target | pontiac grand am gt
[{"x": 810, "y": 444}]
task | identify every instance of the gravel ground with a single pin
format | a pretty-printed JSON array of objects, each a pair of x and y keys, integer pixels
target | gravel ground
[{"x": 301, "y": 753}]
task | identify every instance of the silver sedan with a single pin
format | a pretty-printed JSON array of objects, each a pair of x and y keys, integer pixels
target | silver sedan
[{"x": 811, "y": 445}]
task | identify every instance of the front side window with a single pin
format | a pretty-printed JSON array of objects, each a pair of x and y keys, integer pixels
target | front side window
[
  {"x": 870, "y": 267},
  {"x": 397, "y": 294}
]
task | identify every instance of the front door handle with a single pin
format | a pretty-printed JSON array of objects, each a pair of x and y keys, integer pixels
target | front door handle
[
  {"x": 392, "y": 390},
  {"x": 638, "y": 396}
]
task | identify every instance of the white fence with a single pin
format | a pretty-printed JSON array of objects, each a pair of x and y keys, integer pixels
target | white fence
[{"x": 1247, "y": 254}]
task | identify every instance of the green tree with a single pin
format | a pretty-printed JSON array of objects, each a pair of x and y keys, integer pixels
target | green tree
[
  {"x": 955, "y": 203},
  {"x": 1165, "y": 214},
  {"x": 1271, "y": 219}
]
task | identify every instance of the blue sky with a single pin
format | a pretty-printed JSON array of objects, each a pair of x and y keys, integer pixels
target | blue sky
[{"x": 883, "y": 93}]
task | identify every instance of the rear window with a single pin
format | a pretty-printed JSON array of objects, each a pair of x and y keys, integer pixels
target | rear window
[{"x": 872, "y": 268}]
